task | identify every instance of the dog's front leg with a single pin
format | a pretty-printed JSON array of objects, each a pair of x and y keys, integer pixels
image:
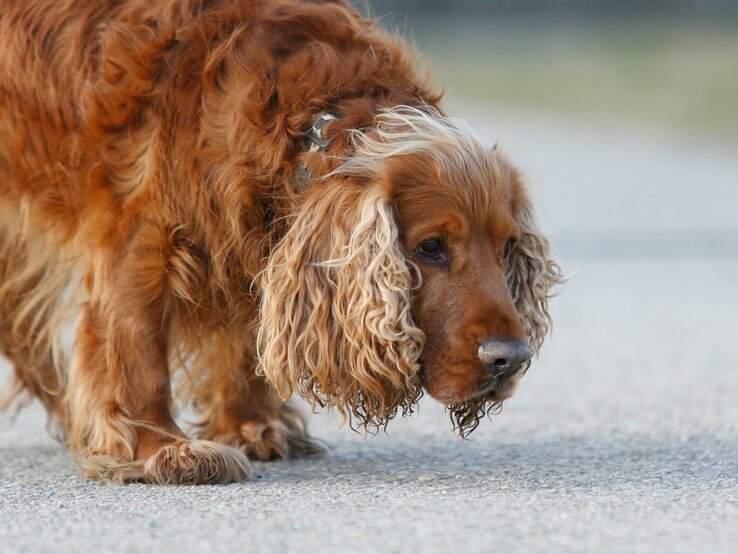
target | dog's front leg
[{"x": 119, "y": 395}]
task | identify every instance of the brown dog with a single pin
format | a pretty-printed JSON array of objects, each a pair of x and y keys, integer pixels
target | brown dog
[{"x": 265, "y": 194}]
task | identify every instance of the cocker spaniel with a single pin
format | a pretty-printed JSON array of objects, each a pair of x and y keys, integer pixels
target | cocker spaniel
[{"x": 231, "y": 201}]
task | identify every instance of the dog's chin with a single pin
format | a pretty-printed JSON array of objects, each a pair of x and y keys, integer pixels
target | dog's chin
[
  {"x": 480, "y": 390},
  {"x": 468, "y": 403}
]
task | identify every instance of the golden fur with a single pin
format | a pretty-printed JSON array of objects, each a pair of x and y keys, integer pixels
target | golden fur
[{"x": 158, "y": 195}]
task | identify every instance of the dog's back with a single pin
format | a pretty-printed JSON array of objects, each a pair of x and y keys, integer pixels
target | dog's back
[{"x": 65, "y": 90}]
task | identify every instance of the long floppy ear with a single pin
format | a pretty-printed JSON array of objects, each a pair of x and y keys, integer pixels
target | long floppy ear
[
  {"x": 335, "y": 312},
  {"x": 531, "y": 276}
]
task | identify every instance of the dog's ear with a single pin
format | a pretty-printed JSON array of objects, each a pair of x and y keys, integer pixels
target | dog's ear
[
  {"x": 532, "y": 274},
  {"x": 335, "y": 311}
]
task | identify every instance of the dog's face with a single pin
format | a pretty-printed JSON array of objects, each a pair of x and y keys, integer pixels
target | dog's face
[
  {"x": 459, "y": 227},
  {"x": 415, "y": 263}
]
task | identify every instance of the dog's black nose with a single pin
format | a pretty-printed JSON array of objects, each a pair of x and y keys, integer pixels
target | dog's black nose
[{"x": 503, "y": 357}]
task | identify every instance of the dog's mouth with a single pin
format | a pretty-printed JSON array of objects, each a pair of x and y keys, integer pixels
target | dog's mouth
[
  {"x": 494, "y": 389},
  {"x": 468, "y": 403},
  {"x": 486, "y": 400},
  {"x": 488, "y": 389}
]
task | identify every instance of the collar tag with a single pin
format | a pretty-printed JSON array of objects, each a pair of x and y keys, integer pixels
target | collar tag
[{"x": 316, "y": 133}]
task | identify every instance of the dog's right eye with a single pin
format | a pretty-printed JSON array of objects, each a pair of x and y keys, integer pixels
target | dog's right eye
[{"x": 431, "y": 250}]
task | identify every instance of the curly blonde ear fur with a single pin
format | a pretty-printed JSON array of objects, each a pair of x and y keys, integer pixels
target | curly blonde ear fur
[
  {"x": 335, "y": 313},
  {"x": 531, "y": 276}
]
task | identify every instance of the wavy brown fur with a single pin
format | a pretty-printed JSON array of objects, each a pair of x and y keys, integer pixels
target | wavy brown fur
[{"x": 156, "y": 192}]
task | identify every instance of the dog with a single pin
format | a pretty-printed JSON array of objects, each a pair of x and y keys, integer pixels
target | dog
[{"x": 234, "y": 201}]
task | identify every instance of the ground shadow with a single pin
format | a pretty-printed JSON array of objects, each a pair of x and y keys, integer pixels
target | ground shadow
[{"x": 538, "y": 463}]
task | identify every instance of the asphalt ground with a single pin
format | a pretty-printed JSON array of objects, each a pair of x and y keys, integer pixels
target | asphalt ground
[{"x": 623, "y": 437}]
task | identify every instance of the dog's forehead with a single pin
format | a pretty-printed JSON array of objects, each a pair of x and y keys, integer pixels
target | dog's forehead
[
  {"x": 479, "y": 186},
  {"x": 482, "y": 188}
]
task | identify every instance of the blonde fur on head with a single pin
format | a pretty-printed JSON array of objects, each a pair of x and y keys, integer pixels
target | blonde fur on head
[
  {"x": 335, "y": 311},
  {"x": 405, "y": 130}
]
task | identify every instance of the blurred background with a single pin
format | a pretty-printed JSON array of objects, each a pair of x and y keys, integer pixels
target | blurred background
[
  {"x": 667, "y": 63},
  {"x": 623, "y": 113}
]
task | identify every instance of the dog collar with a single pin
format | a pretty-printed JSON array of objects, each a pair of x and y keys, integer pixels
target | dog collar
[
  {"x": 316, "y": 133},
  {"x": 318, "y": 143}
]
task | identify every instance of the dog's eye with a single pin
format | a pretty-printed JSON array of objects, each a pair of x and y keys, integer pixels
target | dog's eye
[
  {"x": 508, "y": 248},
  {"x": 431, "y": 250}
]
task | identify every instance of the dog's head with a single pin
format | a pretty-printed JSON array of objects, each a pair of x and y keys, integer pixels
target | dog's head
[{"x": 415, "y": 263}]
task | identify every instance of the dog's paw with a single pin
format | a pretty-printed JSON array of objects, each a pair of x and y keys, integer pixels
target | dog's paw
[
  {"x": 265, "y": 439},
  {"x": 192, "y": 463},
  {"x": 272, "y": 438}
]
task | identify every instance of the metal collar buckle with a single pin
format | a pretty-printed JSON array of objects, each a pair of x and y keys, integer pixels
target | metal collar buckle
[{"x": 316, "y": 133}]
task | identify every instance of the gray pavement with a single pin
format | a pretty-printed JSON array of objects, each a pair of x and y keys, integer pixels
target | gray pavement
[{"x": 622, "y": 438}]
